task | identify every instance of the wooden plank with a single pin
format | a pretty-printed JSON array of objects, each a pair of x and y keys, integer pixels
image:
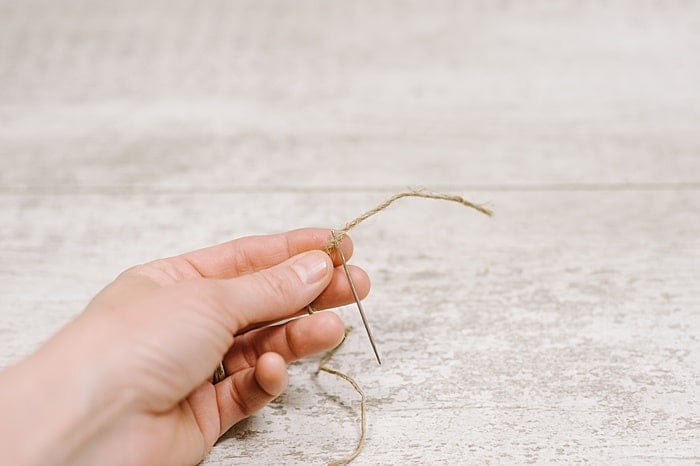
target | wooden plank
[
  {"x": 242, "y": 95},
  {"x": 563, "y": 329}
]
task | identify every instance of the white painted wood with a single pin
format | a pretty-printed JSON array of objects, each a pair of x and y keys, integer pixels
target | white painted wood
[
  {"x": 242, "y": 95},
  {"x": 565, "y": 329}
]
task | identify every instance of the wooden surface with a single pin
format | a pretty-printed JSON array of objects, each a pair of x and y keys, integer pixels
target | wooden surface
[{"x": 565, "y": 329}]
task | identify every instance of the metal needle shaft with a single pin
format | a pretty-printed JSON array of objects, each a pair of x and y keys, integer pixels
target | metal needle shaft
[{"x": 356, "y": 296}]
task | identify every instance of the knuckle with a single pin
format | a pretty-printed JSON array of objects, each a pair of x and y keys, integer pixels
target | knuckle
[
  {"x": 277, "y": 284},
  {"x": 292, "y": 342},
  {"x": 242, "y": 259},
  {"x": 159, "y": 271},
  {"x": 245, "y": 404},
  {"x": 134, "y": 271},
  {"x": 239, "y": 402},
  {"x": 249, "y": 355}
]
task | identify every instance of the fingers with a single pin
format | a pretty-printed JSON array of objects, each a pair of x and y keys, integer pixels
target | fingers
[
  {"x": 337, "y": 293},
  {"x": 258, "y": 363},
  {"x": 293, "y": 340},
  {"x": 254, "y": 253},
  {"x": 275, "y": 293},
  {"x": 247, "y": 391},
  {"x": 225, "y": 261}
]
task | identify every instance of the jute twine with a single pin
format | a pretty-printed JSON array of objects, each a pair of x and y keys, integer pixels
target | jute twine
[
  {"x": 363, "y": 413},
  {"x": 340, "y": 234}
]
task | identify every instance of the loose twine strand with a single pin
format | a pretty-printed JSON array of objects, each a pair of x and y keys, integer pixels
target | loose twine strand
[
  {"x": 363, "y": 415},
  {"x": 330, "y": 245},
  {"x": 340, "y": 234}
]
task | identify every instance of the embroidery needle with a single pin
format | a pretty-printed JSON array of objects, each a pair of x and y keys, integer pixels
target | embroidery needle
[{"x": 356, "y": 296}]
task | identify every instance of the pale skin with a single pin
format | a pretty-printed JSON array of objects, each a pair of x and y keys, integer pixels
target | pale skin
[{"x": 128, "y": 382}]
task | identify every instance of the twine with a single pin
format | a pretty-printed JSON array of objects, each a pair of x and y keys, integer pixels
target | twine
[
  {"x": 330, "y": 245},
  {"x": 363, "y": 416},
  {"x": 343, "y": 232}
]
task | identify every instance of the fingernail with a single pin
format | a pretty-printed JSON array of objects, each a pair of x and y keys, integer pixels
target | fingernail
[{"x": 311, "y": 267}]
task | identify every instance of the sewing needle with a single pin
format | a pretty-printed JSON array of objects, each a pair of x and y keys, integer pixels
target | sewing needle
[{"x": 355, "y": 295}]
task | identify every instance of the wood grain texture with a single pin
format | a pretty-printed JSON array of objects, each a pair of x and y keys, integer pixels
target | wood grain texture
[
  {"x": 563, "y": 330},
  {"x": 559, "y": 330},
  {"x": 323, "y": 94}
]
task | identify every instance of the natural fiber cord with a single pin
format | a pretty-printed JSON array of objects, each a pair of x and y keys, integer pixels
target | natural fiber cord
[
  {"x": 363, "y": 419},
  {"x": 339, "y": 234}
]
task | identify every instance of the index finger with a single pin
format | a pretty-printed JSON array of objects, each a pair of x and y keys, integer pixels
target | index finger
[{"x": 253, "y": 253}]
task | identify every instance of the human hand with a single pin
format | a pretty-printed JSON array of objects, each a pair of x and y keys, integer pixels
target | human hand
[{"x": 129, "y": 381}]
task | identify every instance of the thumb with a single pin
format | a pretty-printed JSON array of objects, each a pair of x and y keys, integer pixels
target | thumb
[
  {"x": 276, "y": 293},
  {"x": 186, "y": 329}
]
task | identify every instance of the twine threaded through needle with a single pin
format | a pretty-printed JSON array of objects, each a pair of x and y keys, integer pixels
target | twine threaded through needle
[{"x": 330, "y": 245}]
